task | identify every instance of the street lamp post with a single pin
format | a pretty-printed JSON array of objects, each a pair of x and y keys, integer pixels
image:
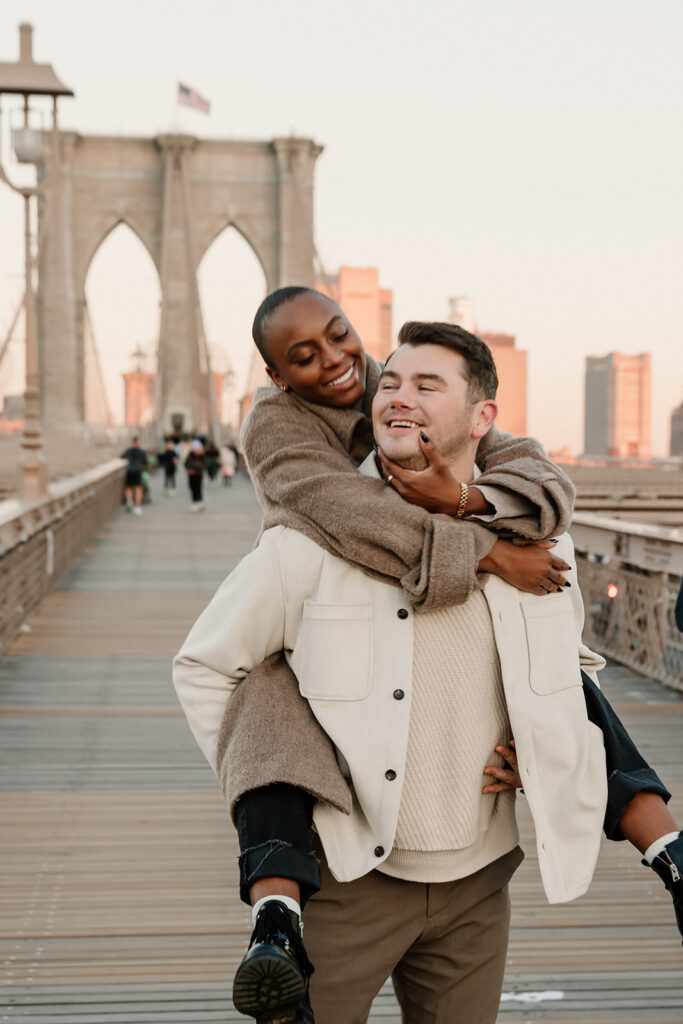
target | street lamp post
[{"x": 25, "y": 77}]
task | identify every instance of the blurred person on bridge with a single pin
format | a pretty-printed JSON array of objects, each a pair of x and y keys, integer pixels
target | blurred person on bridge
[
  {"x": 195, "y": 465},
  {"x": 228, "y": 463},
  {"x": 136, "y": 457},
  {"x": 168, "y": 458},
  {"x": 213, "y": 460},
  {"x": 314, "y": 444}
]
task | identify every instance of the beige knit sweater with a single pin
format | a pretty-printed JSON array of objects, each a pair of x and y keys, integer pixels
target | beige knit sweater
[
  {"x": 303, "y": 461},
  {"x": 447, "y": 828}
]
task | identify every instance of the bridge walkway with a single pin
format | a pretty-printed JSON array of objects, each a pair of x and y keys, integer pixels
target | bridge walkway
[{"x": 118, "y": 892}]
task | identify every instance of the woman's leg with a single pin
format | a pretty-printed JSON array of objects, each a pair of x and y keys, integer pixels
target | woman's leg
[
  {"x": 637, "y": 799},
  {"x": 278, "y": 872},
  {"x": 629, "y": 778},
  {"x": 275, "y": 834}
]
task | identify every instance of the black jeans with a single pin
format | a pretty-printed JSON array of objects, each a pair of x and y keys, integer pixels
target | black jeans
[
  {"x": 274, "y": 823},
  {"x": 275, "y": 836},
  {"x": 628, "y": 772}
]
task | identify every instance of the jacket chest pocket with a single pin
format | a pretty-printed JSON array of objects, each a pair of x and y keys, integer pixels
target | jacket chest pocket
[
  {"x": 336, "y": 651},
  {"x": 552, "y": 643}
]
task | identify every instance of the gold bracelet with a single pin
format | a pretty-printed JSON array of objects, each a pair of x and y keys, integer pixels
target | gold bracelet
[{"x": 460, "y": 511}]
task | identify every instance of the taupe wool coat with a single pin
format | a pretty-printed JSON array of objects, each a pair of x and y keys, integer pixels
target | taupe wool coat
[{"x": 303, "y": 461}]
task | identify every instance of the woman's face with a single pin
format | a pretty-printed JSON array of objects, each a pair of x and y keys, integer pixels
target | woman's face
[{"x": 315, "y": 351}]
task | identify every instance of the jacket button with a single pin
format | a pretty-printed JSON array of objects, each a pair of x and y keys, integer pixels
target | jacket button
[
  {"x": 379, "y": 851},
  {"x": 402, "y": 613},
  {"x": 399, "y": 694},
  {"x": 390, "y": 774}
]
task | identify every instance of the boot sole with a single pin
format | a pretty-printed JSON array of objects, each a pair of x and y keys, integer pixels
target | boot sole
[{"x": 268, "y": 987}]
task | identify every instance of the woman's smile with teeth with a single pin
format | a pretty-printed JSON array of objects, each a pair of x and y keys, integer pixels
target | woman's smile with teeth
[{"x": 341, "y": 380}]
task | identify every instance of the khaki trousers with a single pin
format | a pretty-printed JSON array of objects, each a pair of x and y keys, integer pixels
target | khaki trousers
[{"x": 443, "y": 944}]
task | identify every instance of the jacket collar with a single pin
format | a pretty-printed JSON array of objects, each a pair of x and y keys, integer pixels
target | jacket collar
[
  {"x": 370, "y": 468},
  {"x": 344, "y": 422}
]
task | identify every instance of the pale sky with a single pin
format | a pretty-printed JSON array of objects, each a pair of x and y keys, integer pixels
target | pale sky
[{"x": 525, "y": 153}]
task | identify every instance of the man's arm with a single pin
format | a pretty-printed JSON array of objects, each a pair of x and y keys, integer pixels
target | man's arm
[{"x": 308, "y": 482}]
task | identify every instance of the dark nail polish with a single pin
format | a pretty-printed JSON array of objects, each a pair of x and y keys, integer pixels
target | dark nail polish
[
  {"x": 424, "y": 437},
  {"x": 553, "y": 540},
  {"x": 567, "y": 584}
]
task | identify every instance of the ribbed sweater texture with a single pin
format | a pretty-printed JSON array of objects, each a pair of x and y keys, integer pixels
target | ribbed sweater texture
[{"x": 447, "y": 828}]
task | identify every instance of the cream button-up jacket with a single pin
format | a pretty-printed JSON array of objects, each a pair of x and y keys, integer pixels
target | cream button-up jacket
[{"x": 349, "y": 640}]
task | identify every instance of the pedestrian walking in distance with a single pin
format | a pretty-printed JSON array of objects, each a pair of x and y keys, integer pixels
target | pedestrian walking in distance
[
  {"x": 213, "y": 460},
  {"x": 194, "y": 464},
  {"x": 228, "y": 464},
  {"x": 136, "y": 457},
  {"x": 168, "y": 458}
]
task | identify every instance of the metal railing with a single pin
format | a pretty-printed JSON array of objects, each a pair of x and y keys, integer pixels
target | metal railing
[
  {"x": 40, "y": 540},
  {"x": 629, "y": 575}
]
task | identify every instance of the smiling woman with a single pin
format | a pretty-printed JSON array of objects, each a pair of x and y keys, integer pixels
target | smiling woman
[{"x": 314, "y": 351}]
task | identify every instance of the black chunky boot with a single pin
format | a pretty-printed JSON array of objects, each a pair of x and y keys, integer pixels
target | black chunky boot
[
  {"x": 669, "y": 866},
  {"x": 271, "y": 983}
]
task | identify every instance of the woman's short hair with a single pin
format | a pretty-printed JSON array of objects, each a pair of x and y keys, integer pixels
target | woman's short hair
[{"x": 266, "y": 310}]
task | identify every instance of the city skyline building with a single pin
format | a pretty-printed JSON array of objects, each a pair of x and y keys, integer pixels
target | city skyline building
[
  {"x": 676, "y": 437},
  {"x": 461, "y": 312},
  {"x": 369, "y": 307},
  {"x": 618, "y": 405},
  {"x": 139, "y": 386},
  {"x": 511, "y": 366}
]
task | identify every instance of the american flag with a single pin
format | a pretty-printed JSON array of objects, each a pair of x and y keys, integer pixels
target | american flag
[{"x": 189, "y": 98}]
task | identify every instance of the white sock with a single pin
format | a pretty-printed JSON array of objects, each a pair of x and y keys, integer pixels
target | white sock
[
  {"x": 287, "y": 900},
  {"x": 654, "y": 849}
]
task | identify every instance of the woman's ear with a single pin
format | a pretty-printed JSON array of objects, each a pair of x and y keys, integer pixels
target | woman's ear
[
  {"x": 276, "y": 378},
  {"x": 485, "y": 417}
]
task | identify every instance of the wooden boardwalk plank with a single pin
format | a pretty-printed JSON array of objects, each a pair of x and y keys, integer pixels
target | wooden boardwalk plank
[{"x": 118, "y": 890}]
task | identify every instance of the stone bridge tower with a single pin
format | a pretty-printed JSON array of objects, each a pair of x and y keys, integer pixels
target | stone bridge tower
[{"x": 177, "y": 193}]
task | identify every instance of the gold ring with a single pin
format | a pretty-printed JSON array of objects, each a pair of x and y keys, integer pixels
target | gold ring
[{"x": 390, "y": 478}]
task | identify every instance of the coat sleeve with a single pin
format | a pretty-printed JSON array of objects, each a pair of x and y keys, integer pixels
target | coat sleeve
[
  {"x": 241, "y": 627},
  {"x": 520, "y": 466},
  {"x": 305, "y": 483}
]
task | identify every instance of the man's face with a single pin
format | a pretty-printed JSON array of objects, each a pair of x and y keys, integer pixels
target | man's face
[
  {"x": 315, "y": 351},
  {"x": 423, "y": 388}
]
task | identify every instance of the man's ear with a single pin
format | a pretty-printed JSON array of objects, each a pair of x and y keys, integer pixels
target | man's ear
[{"x": 485, "y": 417}]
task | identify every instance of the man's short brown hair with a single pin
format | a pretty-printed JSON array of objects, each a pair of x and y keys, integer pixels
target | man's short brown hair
[{"x": 480, "y": 370}]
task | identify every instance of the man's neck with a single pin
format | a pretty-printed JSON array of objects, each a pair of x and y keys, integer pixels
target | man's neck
[{"x": 462, "y": 467}]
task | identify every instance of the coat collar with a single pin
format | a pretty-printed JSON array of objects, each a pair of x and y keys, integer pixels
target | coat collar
[{"x": 344, "y": 422}]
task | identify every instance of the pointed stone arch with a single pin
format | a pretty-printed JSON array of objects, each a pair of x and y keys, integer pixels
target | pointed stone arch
[
  {"x": 248, "y": 234},
  {"x": 109, "y": 226},
  {"x": 124, "y": 261},
  {"x": 177, "y": 193},
  {"x": 232, "y": 283}
]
